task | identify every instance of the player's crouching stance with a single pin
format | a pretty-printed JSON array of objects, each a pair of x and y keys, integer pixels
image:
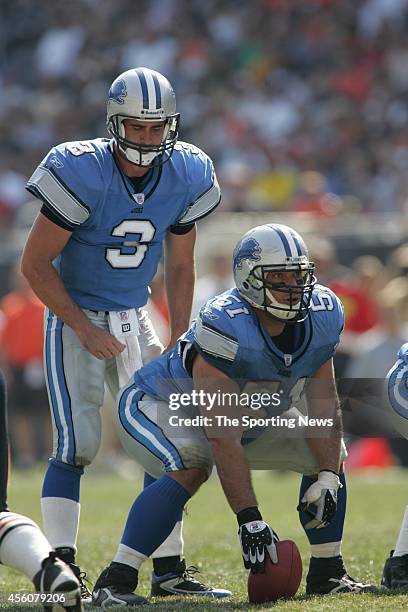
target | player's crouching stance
[
  {"x": 278, "y": 329},
  {"x": 23, "y": 546},
  {"x": 395, "y": 574}
]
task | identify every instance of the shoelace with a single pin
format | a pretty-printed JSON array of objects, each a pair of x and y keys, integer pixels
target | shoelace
[
  {"x": 189, "y": 576},
  {"x": 82, "y": 577}
]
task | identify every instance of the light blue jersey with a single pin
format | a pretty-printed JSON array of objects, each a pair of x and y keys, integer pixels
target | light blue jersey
[
  {"x": 117, "y": 233},
  {"x": 228, "y": 335}
]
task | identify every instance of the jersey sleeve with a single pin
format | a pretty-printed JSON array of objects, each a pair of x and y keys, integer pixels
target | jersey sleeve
[
  {"x": 66, "y": 182},
  {"x": 335, "y": 321},
  {"x": 204, "y": 192},
  {"x": 215, "y": 338}
]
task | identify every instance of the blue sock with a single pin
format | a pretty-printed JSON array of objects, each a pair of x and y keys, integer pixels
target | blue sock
[
  {"x": 148, "y": 480},
  {"x": 154, "y": 514},
  {"x": 334, "y": 531},
  {"x": 62, "y": 480}
]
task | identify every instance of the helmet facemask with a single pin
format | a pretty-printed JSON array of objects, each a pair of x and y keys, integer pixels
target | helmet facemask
[
  {"x": 294, "y": 309},
  {"x": 145, "y": 155}
]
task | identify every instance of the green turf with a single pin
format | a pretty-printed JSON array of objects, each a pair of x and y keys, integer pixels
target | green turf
[{"x": 376, "y": 503}]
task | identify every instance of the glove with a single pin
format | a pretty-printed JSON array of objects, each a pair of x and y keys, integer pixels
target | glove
[
  {"x": 320, "y": 500},
  {"x": 256, "y": 537}
]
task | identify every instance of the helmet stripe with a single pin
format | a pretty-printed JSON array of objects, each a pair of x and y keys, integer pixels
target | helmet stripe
[
  {"x": 296, "y": 241},
  {"x": 283, "y": 238},
  {"x": 143, "y": 85},
  {"x": 158, "y": 91}
]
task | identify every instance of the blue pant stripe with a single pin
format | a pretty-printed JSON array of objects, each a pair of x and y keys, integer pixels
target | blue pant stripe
[
  {"x": 51, "y": 387},
  {"x": 66, "y": 399}
]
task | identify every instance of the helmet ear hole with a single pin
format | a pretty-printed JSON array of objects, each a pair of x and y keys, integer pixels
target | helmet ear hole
[{"x": 245, "y": 285}]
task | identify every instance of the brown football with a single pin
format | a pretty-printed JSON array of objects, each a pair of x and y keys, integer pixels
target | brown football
[{"x": 280, "y": 579}]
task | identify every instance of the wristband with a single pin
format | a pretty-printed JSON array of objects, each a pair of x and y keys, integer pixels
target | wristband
[{"x": 247, "y": 515}]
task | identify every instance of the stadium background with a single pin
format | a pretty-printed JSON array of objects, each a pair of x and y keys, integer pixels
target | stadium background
[{"x": 303, "y": 108}]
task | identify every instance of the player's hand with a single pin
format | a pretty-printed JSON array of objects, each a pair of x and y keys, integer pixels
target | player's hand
[
  {"x": 257, "y": 539},
  {"x": 99, "y": 342},
  {"x": 320, "y": 500}
]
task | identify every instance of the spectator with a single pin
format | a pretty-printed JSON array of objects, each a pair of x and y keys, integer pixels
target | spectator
[{"x": 21, "y": 344}]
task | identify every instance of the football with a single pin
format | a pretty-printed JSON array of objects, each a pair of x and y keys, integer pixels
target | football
[{"x": 280, "y": 580}]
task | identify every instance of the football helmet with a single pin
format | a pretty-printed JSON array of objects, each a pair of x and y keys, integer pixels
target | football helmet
[
  {"x": 269, "y": 249},
  {"x": 145, "y": 95}
]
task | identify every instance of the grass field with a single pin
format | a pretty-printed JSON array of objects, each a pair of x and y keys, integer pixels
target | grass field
[{"x": 376, "y": 501}]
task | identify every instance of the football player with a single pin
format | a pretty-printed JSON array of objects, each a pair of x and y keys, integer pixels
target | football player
[
  {"x": 108, "y": 207},
  {"x": 395, "y": 574},
  {"x": 277, "y": 330},
  {"x": 23, "y": 546}
]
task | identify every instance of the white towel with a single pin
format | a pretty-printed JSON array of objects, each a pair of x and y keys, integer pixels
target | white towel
[{"x": 124, "y": 325}]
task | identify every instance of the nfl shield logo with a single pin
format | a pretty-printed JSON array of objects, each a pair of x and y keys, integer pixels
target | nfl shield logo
[
  {"x": 138, "y": 198},
  {"x": 123, "y": 316}
]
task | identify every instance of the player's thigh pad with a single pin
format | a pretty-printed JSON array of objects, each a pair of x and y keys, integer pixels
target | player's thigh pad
[
  {"x": 148, "y": 437},
  {"x": 284, "y": 448},
  {"x": 75, "y": 382}
]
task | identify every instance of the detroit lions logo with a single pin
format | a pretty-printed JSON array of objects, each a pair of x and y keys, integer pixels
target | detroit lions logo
[
  {"x": 246, "y": 249},
  {"x": 118, "y": 91}
]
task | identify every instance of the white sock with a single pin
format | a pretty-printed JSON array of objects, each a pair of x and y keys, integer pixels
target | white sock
[
  {"x": 173, "y": 545},
  {"x": 61, "y": 520},
  {"x": 129, "y": 556},
  {"x": 23, "y": 546},
  {"x": 323, "y": 551},
  {"x": 401, "y": 547}
]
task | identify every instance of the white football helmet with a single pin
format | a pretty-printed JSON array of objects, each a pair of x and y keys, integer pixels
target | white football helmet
[
  {"x": 145, "y": 95},
  {"x": 396, "y": 392},
  {"x": 274, "y": 248}
]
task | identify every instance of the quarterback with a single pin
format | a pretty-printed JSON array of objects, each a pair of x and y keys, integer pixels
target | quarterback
[
  {"x": 23, "y": 546},
  {"x": 277, "y": 330},
  {"x": 395, "y": 574},
  {"x": 108, "y": 207}
]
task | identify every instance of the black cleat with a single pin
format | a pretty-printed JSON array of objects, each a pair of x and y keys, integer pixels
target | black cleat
[
  {"x": 54, "y": 578},
  {"x": 115, "y": 587},
  {"x": 395, "y": 573},
  {"x": 328, "y": 576},
  {"x": 181, "y": 581}
]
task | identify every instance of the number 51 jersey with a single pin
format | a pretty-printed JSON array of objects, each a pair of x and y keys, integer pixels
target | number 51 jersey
[
  {"x": 117, "y": 228},
  {"x": 229, "y": 336}
]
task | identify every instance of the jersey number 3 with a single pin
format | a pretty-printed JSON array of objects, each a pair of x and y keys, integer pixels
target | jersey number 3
[{"x": 145, "y": 229}]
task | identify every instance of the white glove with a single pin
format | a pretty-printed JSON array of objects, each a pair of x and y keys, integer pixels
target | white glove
[{"x": 320, "y": 500}]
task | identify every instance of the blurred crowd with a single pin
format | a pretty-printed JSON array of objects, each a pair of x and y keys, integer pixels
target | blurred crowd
[{"x": 302, "y": 105}]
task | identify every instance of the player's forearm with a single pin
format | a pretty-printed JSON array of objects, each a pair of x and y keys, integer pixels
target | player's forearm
[
  {"x": 325, "y": 440},
  {"x": 179, "y": 288},
  {"x": 48, "y": 286},
  {"x": 233, "y": 472}
]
